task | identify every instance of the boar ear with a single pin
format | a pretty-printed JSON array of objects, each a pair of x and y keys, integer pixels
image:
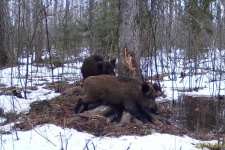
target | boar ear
[
  {"x": 113, "y": 62},
  {"x": 145, "y": 88}
]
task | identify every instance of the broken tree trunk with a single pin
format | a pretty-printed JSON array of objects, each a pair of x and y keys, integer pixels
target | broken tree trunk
[
  {"x": 108, "y": 113},
  {"x": 129, "y": 39},
  {"x": 101, "y": 112},
  {"x": 125, "y": 119}
]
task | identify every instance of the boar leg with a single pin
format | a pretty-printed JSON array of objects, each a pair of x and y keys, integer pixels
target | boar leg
[
  {"x": 82, "y": 101},
  {"x": 153, "y": 118},
  {"x": 140, "y": 113},
  {"x": 131, "y": 107},
  {"x": 85, "y": 101},
  {"x": 79, "y": 103},
  {"x": 135, "y": 110}
]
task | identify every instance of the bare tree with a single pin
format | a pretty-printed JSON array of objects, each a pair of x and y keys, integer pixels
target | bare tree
[
  {"x": 92, "y": 26},
  {"x": 38, "y": 28},
  {"x": 5, "y": 50}
]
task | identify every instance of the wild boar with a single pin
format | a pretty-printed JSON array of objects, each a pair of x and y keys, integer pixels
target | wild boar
[
  {"x": 95, "y": 65},
  {"x": 123, "y": 91}
]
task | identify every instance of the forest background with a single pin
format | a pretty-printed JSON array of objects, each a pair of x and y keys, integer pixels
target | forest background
[{"x": 70, "y": 26}]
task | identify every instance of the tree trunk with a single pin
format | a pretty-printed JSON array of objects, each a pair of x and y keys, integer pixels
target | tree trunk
[
  {"x": 129, "y": 39},
  {"x": 92, "y": 26},
  {"x": 40, "y": 40},
  {"x": 38, "y": 27},
  {"x": 4, "y": 37},
  {"x": 19, "y": 36},
  {"x": 55, "y": 13}
]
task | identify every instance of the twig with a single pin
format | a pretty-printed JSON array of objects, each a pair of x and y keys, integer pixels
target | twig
[
  {"x": 28, "y": 119},
  {"x": 128, "y": 147},
  {"x": 86, "y": 145},
  {"x": 93, "y": 145},
  {"x": 61, "y": 141}
]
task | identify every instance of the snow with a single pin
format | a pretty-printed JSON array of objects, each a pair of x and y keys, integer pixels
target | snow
[
  {"x": 204, "y": 79},
  {"x": 2, "y": 120},
  {"x": 49, "y": 136}
]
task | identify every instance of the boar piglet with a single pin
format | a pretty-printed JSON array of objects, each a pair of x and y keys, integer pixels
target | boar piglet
[
  {"x": 96, "y": 65},
  {"x": 123, "y": 91}
]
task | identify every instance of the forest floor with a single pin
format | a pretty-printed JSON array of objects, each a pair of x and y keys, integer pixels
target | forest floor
[
  {"x": 60, "y": 111},
  {"x": 49, "y": 109}
]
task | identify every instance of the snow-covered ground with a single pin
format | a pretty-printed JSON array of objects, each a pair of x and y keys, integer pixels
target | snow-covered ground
[{"x": 50, "y": 136}]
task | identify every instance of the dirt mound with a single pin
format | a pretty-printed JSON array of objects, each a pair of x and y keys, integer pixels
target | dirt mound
[{"x": 60, "y": 111}]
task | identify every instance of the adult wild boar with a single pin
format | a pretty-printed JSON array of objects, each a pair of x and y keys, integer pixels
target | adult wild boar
[
  {"x": 95, "y": 65},
  {"x": 123, "y": 91}
]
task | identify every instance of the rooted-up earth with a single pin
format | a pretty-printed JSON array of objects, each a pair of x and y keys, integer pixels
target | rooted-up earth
[{"x": 60, "y": 111}]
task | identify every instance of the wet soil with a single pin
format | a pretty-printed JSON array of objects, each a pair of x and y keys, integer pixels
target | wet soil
[{"x": 202, "y": 116}]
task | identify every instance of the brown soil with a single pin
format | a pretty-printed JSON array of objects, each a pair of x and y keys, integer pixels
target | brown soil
[{"x": 60, "y": 111}]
